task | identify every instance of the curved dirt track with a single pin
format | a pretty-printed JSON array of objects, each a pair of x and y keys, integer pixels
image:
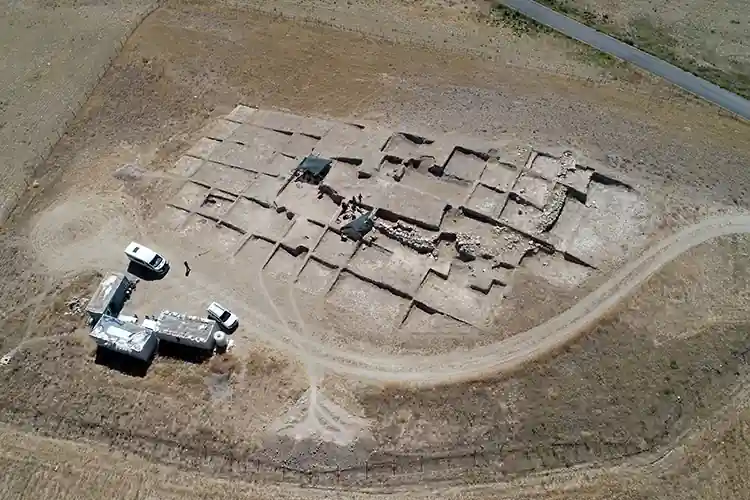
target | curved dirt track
[{"x": 509, "y": 354}]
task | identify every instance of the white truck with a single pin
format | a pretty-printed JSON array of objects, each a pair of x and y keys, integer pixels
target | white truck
[
  {"x": 223, "y": 316},
  {"x": 145, "y": 257}
]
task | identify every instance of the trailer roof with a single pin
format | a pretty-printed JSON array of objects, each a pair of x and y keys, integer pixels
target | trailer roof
[
  {"x": 185, "y": 326},
  {"x": 121, "y": 336},
  {"x": 104, "y": 292}
]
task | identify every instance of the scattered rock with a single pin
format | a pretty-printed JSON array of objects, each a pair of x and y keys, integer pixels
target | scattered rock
[
  {"x": 407, "y": 235},
  {"x": 617, "y": 161},
  {"x": 468, "y": 246},
  {"x": 129, "y": 172}
]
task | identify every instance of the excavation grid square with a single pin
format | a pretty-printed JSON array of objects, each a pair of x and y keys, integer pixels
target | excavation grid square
[{"x": 455, "y": 221}]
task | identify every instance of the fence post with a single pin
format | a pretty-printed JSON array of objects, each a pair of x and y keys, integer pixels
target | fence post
[
  {"x": 257, "y": 465},
  {"x": 338, "y": 474},
  {"x": 366, "y": 463},
  {"x": 421, "y": 464},
  {"x": 393, "y": 467}
]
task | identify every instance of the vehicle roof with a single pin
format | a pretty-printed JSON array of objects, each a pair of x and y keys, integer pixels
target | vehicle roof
[
  {"x": 216, "y": 305},
  {"x": 140, "y": 251}
]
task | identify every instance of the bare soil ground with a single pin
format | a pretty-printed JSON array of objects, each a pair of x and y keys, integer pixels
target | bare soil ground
[
  {"x": 623, "y": 388},
  {"x": 45, "y": 81},
  {"x": 74, "y": 426}
]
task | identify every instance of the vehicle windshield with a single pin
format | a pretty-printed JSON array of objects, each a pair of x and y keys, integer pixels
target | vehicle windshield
[
  {"x": 156, "y": 261},
  {"x": 225, "y": 315}
]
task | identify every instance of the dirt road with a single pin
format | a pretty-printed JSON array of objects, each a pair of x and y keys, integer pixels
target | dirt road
[
  {"x": 509, "y": 354},
  {"x": 289, "y": 333}
]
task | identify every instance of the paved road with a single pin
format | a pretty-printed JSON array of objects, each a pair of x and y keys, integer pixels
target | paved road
[{"x": 573, "y": 29}]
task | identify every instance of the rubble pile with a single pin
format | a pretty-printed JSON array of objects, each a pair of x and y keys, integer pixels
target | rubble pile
[
  {"x": 511, "y": 238},
  {"x": 407, "y": 235},
  {"x": 468, "y": 246},
  {"x": 552, "y": 209},
  {"x": 76, "y": 306},
  {"x": 568, "y": 163},
  {"x": 514, "y": 241}
]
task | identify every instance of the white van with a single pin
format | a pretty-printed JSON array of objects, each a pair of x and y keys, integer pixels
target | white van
[{"x": 144, "y": 256}]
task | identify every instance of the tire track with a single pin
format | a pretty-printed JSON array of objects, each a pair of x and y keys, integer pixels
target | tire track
[
  {"x": 509, "y": 354},
  {"x": 81, "y": 233}
]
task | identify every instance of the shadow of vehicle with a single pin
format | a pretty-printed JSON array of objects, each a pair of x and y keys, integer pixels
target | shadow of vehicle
[
  {"x": 146, "y": 274},
  {"x": 228, "y": 331},
  {"x": 127, "y": 365},
  {"x": 184, "y": 352}
]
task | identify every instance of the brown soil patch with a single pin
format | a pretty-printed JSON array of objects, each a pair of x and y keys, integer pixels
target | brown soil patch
[{"x": 612, "y": 393}]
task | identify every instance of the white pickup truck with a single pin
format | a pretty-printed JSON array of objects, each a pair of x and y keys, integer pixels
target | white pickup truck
[{"x": 223, "y": 316}]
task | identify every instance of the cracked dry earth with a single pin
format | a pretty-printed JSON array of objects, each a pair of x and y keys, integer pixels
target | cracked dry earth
[{"x": 526, "y": 318}]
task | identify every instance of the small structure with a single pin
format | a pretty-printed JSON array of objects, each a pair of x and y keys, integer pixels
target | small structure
[
  {"x": 359, "y": 227},
  {"x": 313, "y": 169},
  {"x": 109, "y": 296},
  {"x": 192, "y": 331},
  {"x": 124, "y": 337}
]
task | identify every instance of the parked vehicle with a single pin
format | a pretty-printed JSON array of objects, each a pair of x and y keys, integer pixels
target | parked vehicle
[
  {"x": 144, "y": 256},
  {"x": 223, "y": 316}
]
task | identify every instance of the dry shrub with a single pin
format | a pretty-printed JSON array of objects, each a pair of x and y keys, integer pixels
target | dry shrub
[
  {"x": 223, "y": 364},
  {"x": 259, "y": 364}
]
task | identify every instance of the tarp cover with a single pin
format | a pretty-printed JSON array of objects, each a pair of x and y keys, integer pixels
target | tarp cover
[
  {"x": 315, "y": 165},
  {"x": 359, "y": 227}
]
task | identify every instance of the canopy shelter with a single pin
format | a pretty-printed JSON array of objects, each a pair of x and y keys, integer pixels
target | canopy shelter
[
  {"x": 314, "y": 168},
  {"x": 359, "y": 227}
]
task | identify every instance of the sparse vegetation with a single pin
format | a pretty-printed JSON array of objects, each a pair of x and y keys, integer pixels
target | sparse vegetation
[
  {"x": 630, "y": 405},
  {"x": 649, "y": 37},
  {"x": 261, "y": 365},
  {"x": 520, "y": 24},
  {"x": 223, "y": 364}
]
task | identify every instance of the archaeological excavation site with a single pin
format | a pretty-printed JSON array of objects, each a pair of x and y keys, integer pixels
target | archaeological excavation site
[
  {"x": 455, "y": 220},
  {"x": 306, "y": 250}
]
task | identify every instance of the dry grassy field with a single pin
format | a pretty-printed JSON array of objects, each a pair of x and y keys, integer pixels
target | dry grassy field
[
  {"x": 709, "y": 39},
  {"x": 646, "y": 403}
]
